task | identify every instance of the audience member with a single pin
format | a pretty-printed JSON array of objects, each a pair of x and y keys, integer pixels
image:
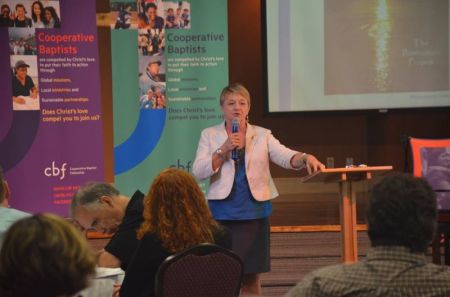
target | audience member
[
  {"x": 401, "y": 220},
  {"x": 176, "y": 217},
  {"x": 7, "y": 215},
  {"x": 100, "y": 206},
  {"x": 44, "y": 255}
]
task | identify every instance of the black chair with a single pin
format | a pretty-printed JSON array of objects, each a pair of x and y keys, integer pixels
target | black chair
[
  {"x": 205, "y": 270},
  {"x": 425, "y": 163}
]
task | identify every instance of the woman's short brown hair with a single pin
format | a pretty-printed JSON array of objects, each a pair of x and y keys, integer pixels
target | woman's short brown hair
[
  {"x": 234, "y": 88},
  {"x": 44, "y": 255}
]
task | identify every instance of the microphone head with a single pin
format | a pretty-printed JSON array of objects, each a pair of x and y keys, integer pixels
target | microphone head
[{"x": 235, "y": 125}]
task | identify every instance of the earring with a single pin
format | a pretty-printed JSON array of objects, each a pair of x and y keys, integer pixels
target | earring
[{"x": 246, "y": 118}]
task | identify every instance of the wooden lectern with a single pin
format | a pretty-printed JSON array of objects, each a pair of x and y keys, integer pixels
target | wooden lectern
[{"x": 347, "y": 203}]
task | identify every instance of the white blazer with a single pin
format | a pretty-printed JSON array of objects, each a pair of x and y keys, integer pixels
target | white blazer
[{"x": 260, "y": 146}]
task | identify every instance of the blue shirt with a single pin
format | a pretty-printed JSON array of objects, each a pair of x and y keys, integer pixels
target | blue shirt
[
  {"x": 9, "y": 216},
  {"x": 240, "y": 204}
]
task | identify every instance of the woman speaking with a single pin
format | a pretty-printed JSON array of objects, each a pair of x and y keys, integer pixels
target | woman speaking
[{"x": 235, "y": 156}]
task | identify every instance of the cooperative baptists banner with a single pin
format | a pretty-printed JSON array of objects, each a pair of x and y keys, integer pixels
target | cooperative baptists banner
[
  {"x": 170, "y": 62},
  {"x": 50, "y": 121}
]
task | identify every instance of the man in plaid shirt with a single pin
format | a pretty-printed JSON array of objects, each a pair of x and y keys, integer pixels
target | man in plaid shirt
[{"x": 401, "y": 219}]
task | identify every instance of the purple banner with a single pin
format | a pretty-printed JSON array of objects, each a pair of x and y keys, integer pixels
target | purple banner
[{"x": 50, "y": 115}]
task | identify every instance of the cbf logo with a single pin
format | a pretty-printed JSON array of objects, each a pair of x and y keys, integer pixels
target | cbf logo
[{"x": 56, "y": 171}]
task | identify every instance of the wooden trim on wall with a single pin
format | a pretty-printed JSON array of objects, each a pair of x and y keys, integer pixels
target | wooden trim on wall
[{"x": 313, "y": 228}]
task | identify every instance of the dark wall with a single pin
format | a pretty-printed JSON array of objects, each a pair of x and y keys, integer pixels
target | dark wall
[{"x": 370, "y": 138}]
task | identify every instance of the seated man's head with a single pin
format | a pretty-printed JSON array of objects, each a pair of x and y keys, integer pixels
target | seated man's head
[
  {"x": 44, "y": 255},
  {"x": 98, "y": 206},
  {"x": 402, "y": 212}
]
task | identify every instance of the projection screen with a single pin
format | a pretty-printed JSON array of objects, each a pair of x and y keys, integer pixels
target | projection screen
[{"x": 324, "y": 55}]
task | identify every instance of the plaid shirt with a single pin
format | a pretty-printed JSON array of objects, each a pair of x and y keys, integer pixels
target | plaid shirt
[{"x": 387, "y": 272}]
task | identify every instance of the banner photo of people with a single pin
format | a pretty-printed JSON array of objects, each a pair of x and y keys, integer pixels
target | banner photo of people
[
  {"x": 169, "y": 64},
  {"x": 50, "y": 113}
]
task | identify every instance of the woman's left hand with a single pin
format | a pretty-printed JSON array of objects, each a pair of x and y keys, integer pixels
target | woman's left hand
[{"x": 311, "y": 163}]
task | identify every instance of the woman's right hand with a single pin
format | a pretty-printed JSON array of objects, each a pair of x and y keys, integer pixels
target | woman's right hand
[
  {"x": 234, "y": 140},
  {"x": 228, "y": 145}
]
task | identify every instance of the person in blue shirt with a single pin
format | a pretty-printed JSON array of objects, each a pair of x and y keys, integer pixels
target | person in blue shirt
[{"x": 7, "y": 215}]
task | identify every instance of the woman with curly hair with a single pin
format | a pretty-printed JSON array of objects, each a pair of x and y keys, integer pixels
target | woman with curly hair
[
  {"x": 176, "y": 217},
  {"x": 44, "y": 255}
]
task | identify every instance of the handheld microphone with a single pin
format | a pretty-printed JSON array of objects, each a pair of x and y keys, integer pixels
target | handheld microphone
[{"x": 234, "y": 129}]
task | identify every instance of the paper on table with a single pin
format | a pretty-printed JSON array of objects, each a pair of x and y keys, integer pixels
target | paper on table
[
  {"x": 30, "y": 103},
  {"x": 102, "y": 272},
  {"x": 102, "y": 284}
]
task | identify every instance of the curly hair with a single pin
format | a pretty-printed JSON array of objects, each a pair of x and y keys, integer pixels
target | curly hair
[
  {"x": 402, "y": 211},
  {"x": 44, "y": 255},
  {"x": 175, "y": 209}
]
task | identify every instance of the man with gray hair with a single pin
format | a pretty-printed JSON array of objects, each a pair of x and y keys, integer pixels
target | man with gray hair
[
  {"x": 101, "y": 207},
  {"x": 7, "y": 215}
]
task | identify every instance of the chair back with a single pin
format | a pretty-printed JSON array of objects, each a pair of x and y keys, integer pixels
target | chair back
[
  {"x": 205, "y": 270},
  {"x": 431, "y": 160}
]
